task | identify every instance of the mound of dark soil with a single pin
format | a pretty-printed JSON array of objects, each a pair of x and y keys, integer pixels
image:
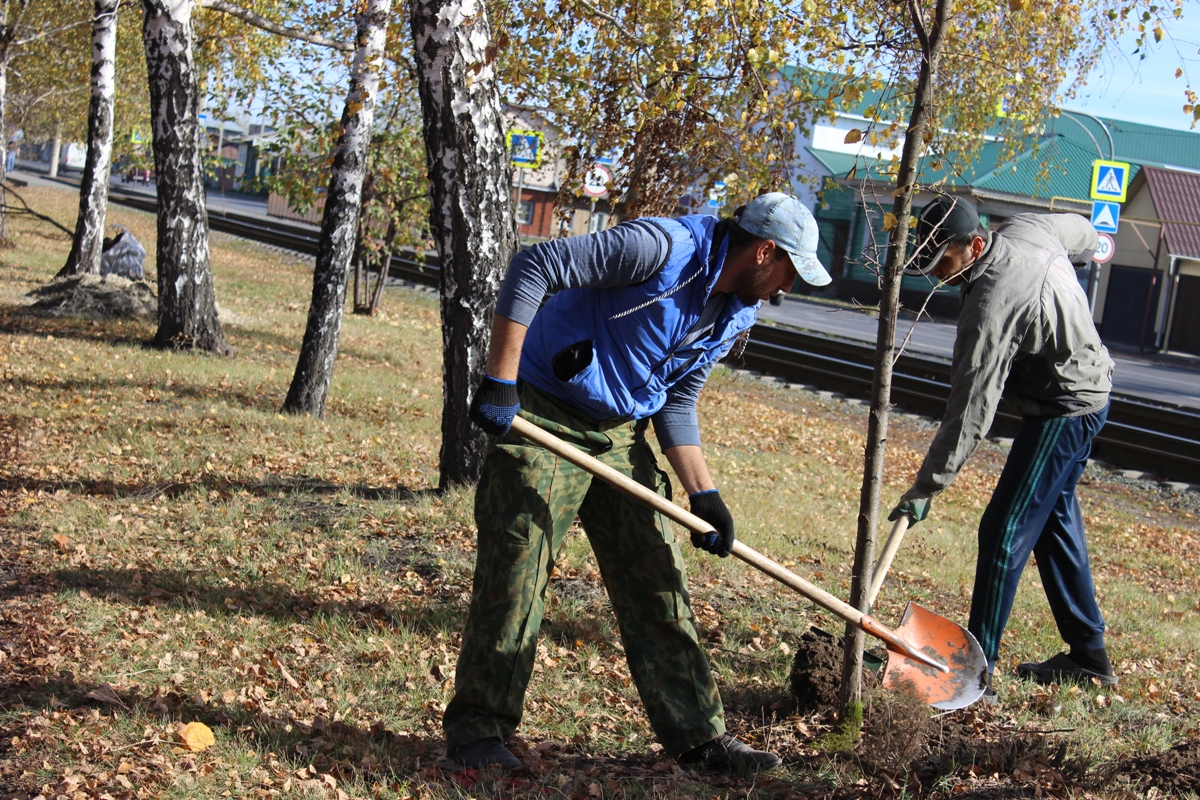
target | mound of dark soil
[
  {"x": 816, "y": 676},
  {"x": 94, "y": 297},
  {"x": 1175, "y": 771}
]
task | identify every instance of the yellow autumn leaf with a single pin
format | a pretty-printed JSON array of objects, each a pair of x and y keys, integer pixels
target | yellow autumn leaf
[
  {"x": 889, "y": 221},
  {"x": 853, "y": 136},
  {"x": 196, "y": 736}
]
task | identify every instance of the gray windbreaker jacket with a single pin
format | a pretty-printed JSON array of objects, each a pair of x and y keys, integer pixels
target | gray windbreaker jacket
[{"x": 1025, "y": 332}]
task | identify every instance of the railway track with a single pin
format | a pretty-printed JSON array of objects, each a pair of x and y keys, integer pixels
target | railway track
[
  {"x": 1161, "y": 439},
  {"x": 1155, "y": 438}
]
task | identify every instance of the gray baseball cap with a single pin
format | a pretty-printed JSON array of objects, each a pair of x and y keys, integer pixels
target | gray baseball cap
[{"x": 784, "y": 220}]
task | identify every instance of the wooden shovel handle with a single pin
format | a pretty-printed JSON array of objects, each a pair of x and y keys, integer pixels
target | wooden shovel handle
[
  {"x": 746, "y": 553},
  {"x": 885, "y": 558}
]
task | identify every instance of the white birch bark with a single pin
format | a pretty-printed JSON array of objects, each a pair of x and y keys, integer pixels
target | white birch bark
[
  {"x": 471, "y": 213},
  {"x": 55, "y": 153},
  {"x": 339, "y": 224},
  {"x": 187, "y": 308},
  {"x": 88, "y": 242},
  {"x": 11, "y": 12}
]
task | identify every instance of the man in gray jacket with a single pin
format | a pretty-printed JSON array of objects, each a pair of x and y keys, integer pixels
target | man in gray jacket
[{"x": 1025, "y": 331}]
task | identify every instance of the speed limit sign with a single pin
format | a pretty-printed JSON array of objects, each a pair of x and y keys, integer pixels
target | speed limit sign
[
  {"x": 1105, "y": 250},
  {"x": 595, "y": 182}
]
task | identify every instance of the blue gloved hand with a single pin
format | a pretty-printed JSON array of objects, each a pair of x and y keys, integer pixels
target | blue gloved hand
[
  {"x": 494, "y": 405},
  {"x": 709, "y": 507},
  {"x": 917, "y": 509}
]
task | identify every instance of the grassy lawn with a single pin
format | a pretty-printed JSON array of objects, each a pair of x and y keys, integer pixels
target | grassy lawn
[{"x": 176, "y": 550}]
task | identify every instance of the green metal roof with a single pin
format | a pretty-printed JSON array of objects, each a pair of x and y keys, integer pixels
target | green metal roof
[
  {"x": 1056, "y": 164},
  {"x": 840, "y": 165},
  {"x": 1132, "y": 141},
  {"x": 1058, "y": 167}
]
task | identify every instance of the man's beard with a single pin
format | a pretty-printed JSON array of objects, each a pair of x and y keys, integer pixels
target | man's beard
[{"x": 754, "y": 284}]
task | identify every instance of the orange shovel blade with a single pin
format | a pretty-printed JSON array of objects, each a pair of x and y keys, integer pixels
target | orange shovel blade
[{"x": 948, "y": 643}]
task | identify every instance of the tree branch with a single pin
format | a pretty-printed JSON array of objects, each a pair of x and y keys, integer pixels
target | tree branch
[
  {"x": 51, "y": 32},
  {"x": 262, "y": 23},
  {"x": 609, "y": 17},
  {"x": 919, "y": 25}
]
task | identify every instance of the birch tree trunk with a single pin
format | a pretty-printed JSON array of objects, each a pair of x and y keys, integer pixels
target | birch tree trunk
[
  {"x": 471, "y": 212},
  {"x": 93, "y": 189},
  {"x": 5, "y": 56},
  {"x": 339, "y": 224},
  {"x": 187, "y": 306},
  {"x": 55, "y": 152},
  {"x": 932, "y": 36}
]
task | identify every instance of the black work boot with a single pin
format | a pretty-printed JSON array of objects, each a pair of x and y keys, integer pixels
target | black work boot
[
  {"x": 482, "y": 752},
  {"x": 1062, "y": 668},
  {"x": 727, "y": 754}
]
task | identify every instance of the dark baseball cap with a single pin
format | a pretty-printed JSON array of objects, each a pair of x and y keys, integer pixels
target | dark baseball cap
[{"x": 941, "y": 222}]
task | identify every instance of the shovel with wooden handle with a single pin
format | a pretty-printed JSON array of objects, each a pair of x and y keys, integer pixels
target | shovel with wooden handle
[
  {"x": 884, "y": 562},
  {"x": 931, "y": 658}
]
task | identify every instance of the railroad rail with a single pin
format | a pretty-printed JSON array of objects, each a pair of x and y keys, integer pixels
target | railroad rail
[{"x": 1141, "y": 435}]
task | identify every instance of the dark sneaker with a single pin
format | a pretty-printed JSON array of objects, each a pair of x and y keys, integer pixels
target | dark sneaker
[
  {"x": 727, "y": 754},
  {"x": 1062, "y": 669},
  {"x": 483, "y": 752}
]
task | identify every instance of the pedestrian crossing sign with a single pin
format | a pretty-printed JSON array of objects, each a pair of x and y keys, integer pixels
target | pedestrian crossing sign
[
  {"x": 525, "y": 148},
  {"x": 1110, "y": 180}
]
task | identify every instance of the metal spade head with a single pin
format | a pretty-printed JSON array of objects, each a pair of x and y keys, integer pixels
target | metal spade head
[{"x": 948, "y": 643}]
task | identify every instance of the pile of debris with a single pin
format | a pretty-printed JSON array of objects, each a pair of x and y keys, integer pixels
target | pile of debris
[{"x": 118, "y": 291}]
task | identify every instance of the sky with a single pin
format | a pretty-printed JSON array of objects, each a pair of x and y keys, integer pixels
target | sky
[{"x": 1147, "y": 91}]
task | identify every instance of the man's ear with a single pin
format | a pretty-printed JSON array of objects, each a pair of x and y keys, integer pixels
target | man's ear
[{"x": 765, "y": 251}]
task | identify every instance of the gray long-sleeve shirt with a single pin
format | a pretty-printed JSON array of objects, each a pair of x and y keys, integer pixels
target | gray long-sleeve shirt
[
  {"x": 1025, "y": 332},
  {"x": 625, "y": 255}
]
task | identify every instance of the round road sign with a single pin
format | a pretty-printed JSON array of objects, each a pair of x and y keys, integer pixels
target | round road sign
[
  {"x": 1104, "y": 252},
  {"x": 595, "y": 182}
]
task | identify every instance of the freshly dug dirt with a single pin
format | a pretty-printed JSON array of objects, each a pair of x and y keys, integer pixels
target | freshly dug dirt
[
  {"x": 816, "y": 676},
  {"x": 94, "y": 297},
  {"x": 1174, "y": 771}
]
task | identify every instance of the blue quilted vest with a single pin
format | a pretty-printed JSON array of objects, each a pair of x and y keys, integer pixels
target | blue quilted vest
[{"x": 637, "y": 332}]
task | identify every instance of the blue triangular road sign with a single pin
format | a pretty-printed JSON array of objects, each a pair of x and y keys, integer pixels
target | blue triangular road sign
[{"x": 1105, "y": 216}]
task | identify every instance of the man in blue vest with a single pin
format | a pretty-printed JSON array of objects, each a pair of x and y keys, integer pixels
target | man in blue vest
[{"x": 637, "y": 317}]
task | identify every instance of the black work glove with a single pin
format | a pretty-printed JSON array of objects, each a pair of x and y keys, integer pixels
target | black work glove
[
  {"x": 494, "y": 405},
  {"x": 709, "y": 507}
]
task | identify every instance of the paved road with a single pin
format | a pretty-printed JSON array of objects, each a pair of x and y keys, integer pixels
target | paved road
[
  {"x": 1174, "y": 383},
  {"x": 218, "y": 202}
]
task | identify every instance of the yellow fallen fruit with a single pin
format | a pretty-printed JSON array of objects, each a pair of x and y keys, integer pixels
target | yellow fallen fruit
[{"x": 196, "y": 736}]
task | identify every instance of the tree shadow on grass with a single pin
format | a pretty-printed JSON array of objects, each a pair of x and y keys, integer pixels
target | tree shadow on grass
[
  {"x": 136, "y": 331},
  {"x": 139, "y": 332},
  {"x": 319, "y": 746},
  {"x": 264, "y": 401},
  {"x": 368, "y": 754},
  {"x": 270, "y": 486},
  {"x": 192, "y": 591}
]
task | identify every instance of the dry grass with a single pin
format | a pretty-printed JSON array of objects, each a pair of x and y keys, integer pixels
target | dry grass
[{"x": 176, "y": 550}]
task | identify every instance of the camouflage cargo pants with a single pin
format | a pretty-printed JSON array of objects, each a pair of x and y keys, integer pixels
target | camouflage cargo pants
[{"x": 526, "y": 500}]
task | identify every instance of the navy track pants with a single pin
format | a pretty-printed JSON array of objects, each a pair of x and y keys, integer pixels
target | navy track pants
[{"x": 1034, "y": 509}]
